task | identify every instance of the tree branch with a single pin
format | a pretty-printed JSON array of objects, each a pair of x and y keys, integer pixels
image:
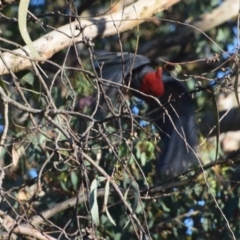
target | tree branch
[
  {"x": 82, "y": 31},
  {"x": 223, "y": 12}
]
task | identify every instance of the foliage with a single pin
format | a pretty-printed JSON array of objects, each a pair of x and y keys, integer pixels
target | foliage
[{"x": 99, "y": 178}]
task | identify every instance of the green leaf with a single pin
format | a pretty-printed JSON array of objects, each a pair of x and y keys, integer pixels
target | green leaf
[
  {"x": 126, "y": 193},
  {"x": 93, "y": 202},
  {"x": 106, "y": 201},
  {"x": 101, "y": 179},
  {"x": 110, "y": 217},
  {"x": 136, "y": 196},
  {"x": 106, "y": 194},
  {"x": 22, "y": 24},
  {"x": 27, "y": 78},
  {"x": 63, "y": 185},
  {"x": 143, "y": 159},
  {"x": 126, "y": 224},
  {"x": 164, "y": 207},
  {"x": 74, "y": 180}
]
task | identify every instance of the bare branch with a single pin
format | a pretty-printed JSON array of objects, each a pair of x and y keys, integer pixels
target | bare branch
[{"x": 65, "y": 36}]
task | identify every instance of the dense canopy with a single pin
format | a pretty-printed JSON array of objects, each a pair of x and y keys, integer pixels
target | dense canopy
[{"x": 66, "y": 173}]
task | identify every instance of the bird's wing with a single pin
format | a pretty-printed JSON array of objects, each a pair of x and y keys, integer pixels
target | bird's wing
[
  {"x": 114, "y": 67},
  {"x": 177, "y": 129}
]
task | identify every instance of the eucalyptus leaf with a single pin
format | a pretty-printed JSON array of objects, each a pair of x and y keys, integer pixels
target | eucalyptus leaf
[
  {"x": 93, "y": 202},
  {"x": 74, "y": 180}
]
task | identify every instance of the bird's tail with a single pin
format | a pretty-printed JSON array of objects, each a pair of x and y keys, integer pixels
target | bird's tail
[{"x": 176, "y": 123}]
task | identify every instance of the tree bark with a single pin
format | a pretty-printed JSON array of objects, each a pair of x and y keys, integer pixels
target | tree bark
[{"x": 82, "y": 30}]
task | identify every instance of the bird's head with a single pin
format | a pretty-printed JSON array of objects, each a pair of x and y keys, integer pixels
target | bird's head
[{"x": 152, "y": 83}]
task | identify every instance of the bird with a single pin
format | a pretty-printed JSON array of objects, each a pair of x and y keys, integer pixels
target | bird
[{"x": 173, "y": 117}]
